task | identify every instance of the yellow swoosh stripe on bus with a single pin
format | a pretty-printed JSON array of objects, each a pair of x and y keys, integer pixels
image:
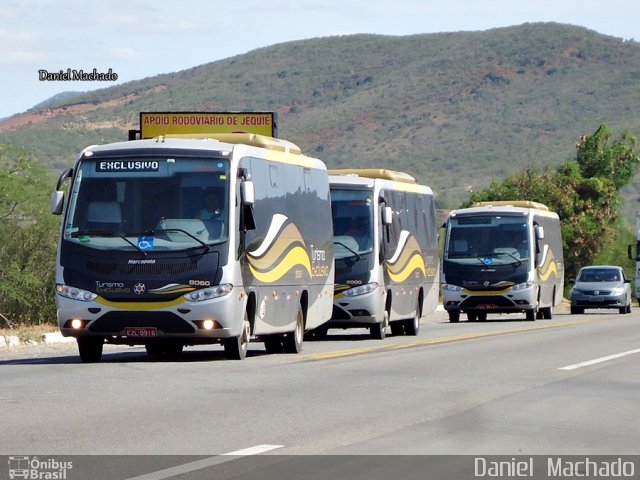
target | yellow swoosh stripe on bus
[
  {"x": 415, "y": 263},
  {"x": 297, "y": 256},
  {"x": 547, "y": 270}
]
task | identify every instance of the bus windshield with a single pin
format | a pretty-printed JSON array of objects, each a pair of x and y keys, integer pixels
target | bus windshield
[
  {"x": 352, "y": 211},
  {"x": 488, "y": 240},
  {"x": 149, "y": 203}
]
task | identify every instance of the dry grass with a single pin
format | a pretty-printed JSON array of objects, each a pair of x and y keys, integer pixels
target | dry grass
[{"x": 28, "y": 333}]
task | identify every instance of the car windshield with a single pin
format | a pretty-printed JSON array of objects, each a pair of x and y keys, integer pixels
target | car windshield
[
  {"x": 599, "y": 275},
  {"x": 149, "y": 204}
]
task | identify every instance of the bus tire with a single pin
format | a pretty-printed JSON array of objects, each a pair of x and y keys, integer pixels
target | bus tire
[
  {"x": 378, "y": 331},
  {"x": 90, "y": 349},
  {"x": 292, "y": 342},
  {"x": 235, "y": 348},
  {"x": 412, "y": 326}
]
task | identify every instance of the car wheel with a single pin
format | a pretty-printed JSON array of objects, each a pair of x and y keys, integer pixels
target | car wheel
[{"x": 454, "y": 316}]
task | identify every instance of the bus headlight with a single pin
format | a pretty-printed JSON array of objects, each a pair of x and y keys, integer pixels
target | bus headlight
[
  {"x": 522, "y": 286},
  {"x": 75, "y": 293},
  {"x": 209, "y": 293},
  {"x": 361, "y": 290}
]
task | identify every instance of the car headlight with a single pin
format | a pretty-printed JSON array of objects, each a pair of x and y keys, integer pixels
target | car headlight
[
  {"x": 575, "y": 291},
  {"x": 209, "y": 293},
  {"x": 522, "y": 286},
  {"x": 452, "y": 288},
  {"x": 361, "y": 290},
  {"x": 617, "y": 291},
  {"x": 75, "y": 293}
]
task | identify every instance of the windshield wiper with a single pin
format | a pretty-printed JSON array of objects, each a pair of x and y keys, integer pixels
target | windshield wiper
[
  {"x": 165, "y": 230},
  {"x": 106, "y": 233},
  {"x": 355, "y": 254}
]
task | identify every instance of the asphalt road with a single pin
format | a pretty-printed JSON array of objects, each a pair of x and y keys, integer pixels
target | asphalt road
[{"x": 569, "y": 385}]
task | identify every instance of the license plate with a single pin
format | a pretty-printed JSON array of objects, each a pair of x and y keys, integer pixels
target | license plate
[
  {"x": 141, "y": 331},
  {"x": 487, "y": 306}
]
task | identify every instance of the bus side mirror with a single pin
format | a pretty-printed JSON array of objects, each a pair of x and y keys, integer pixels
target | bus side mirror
[
  {"x": 387, "y": 216},
  {"x": 247, "y": 193},
  {"x": 539, "y": 232},
  {"x": 57, "y": 202}
]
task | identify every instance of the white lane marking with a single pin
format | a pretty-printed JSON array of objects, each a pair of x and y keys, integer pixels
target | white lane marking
[
  {"x": 205, "y": 463},
  {"x": 258, "y": 449},
  {"x": 599, "y": 360}
]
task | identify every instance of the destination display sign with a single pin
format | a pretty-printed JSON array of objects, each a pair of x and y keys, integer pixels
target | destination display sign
[
  {"x": 154, "y": 124},
  {"x": 127, "y": 166}
]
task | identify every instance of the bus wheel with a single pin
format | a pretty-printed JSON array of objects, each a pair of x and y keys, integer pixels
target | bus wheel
[
  {"x": 454, "y": 316},
  {"x": 235, "y": 348},
  {"x": 292, "y": 342},
  {"x": 379, "y": 330},
  {"x": 412, "y": 326},
  {"x": 90, "y": 349}
]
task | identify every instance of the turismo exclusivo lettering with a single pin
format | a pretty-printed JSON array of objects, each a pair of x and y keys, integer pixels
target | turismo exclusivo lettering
[{"x": 72, "y": 75}]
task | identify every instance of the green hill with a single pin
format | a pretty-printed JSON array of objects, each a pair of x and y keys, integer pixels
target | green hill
[{"x": 453, "y": 109}]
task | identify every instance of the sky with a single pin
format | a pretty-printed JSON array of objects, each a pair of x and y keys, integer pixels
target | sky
[{"x": 136, "y": 39}]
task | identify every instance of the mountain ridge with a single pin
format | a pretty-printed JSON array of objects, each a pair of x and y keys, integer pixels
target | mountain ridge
[{"x": 453, "y": 109}]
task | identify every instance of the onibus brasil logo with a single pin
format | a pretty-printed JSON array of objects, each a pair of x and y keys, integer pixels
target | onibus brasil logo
[{"x": 38, "y": 469}]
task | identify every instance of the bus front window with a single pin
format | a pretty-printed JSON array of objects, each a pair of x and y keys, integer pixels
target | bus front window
[
  {"x": 181, "y": 204},
  {"x": 490, "y": 239},
  {"x": 352, "y": 226}
]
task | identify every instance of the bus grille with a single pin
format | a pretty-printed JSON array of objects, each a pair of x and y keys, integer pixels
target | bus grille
[{"x": 148, "y": 269}]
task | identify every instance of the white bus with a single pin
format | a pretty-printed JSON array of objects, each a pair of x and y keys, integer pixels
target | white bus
[
  {"x": 502, "y": 257},
  {"x": 170, "y": 242},
  {"x": 636, "y": 257},
  {"x": 386, "y": 251}
]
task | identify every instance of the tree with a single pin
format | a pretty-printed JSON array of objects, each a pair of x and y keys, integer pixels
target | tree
[
  {"x": 28, "y": 236},
  {"x": 584, "y": 192}
]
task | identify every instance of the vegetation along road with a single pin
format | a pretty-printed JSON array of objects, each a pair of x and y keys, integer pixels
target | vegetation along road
[{"x": 505, "y": 386}]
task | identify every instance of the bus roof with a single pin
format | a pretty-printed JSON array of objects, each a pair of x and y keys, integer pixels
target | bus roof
[
  {"x": 375, "y": 173},
  {"x": 512, "y": 203},
  {"x": 252, "y": 139}
]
